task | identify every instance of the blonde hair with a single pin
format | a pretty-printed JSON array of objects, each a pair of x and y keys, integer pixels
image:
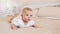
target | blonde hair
[
  {"x": 24, "y": 9},
  {"x": 27, "y": 9}
]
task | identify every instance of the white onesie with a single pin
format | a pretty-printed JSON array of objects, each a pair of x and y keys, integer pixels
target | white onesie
[{"x": 19, "y": 22}]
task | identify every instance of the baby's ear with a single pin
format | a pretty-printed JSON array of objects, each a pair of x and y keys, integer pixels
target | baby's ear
[{"x": 21, "y": 14}]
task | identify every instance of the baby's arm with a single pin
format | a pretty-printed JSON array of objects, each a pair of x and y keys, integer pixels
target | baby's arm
[
  {"x": 13, "y": 26},
  {"x": 11, "y": 19}
]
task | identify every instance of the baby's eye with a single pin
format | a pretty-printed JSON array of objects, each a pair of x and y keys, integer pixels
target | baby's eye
[
  {"x": 30, "y": 15},
  {"x": 27, "y": 15}
]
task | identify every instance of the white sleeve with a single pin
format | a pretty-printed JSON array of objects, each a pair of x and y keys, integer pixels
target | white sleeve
[
  {"x": 31, "y": 23},
  {"x": 15, "y": 21}
]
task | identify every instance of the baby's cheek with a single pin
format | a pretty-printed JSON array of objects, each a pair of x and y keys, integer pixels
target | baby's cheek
[
  {"x": 30, "y": 17},
  {"x": 26, "y": 17}
]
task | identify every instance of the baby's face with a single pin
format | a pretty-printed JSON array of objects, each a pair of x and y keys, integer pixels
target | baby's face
[{"x": 27, "y": 16}]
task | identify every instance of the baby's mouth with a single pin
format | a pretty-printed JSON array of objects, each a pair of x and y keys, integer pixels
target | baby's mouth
[{"x": 29, "y": 19}]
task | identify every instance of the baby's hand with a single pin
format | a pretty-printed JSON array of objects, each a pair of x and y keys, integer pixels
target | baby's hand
[
  {"x": 13, "y": 26},
  {"x": 35, "y": 26}
]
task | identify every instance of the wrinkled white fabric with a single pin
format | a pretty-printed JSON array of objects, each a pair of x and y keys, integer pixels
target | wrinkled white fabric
[{"x": 19, "y": 22}]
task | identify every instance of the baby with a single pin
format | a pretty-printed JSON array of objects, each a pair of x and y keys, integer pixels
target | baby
[{"x": 23, "y": 20}]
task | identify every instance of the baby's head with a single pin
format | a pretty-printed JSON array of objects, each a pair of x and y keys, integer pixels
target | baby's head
[{"x": 27, "y": 14}]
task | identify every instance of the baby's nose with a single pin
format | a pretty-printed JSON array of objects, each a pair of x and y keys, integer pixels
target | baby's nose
[{"x": 28, "y": 17}]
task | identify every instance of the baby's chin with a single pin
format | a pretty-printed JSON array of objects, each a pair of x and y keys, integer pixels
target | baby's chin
[{"x": 29, "y": 19}]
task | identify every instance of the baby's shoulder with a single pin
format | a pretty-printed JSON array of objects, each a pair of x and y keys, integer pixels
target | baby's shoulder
[
  {"x": 15, "y": 17},
  {"x": 32, "y": 21}
]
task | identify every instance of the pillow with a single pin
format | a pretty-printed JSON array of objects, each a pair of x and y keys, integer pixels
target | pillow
[{"x": 49, "y": 11}]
